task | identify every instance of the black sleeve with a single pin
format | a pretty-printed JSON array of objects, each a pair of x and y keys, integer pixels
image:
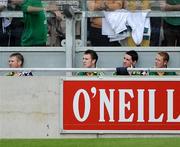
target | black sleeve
[{"x": 121, "y": 71}]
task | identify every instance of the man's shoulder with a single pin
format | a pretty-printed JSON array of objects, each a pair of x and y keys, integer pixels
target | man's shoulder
[
  {"x": 26, "y": 74},
  {"x": 170, "y": 73},
  {"x": 90, "y": 73},
  {"x": 165, "y": 74},
  {"x": 153, "y": 73},
  {"x": 10, "y": 74},
  {"x": 121, "y": 71},
  {"x": 81, "y": 73},
  {"x": 124, "y": 71}
]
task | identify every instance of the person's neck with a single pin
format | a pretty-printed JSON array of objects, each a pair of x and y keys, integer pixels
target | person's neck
[
  {"x": 160, "y": 73},
  {"x": 94, "y": 66}
]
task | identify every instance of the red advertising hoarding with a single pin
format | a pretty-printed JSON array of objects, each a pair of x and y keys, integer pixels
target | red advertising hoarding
[{"x": 121, "y": 105}]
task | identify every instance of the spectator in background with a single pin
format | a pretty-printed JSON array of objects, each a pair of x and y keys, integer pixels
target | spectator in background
[
  {"x": 129, "y": 61},
  {"x": 155, "y": 26},
  {"x": 56, "y": 28},
  {"x": 16, "y": 60},
  {"x": 35, "y": 22},
  {"x": 90, "y": 59},
  {"x": 4, "y": 36},
  {"x": 155, "y": 31},
  {"x": 133, "y": 5},
  {"x": 56, "y": 31},
  {"x": 171, "y": 24},
  {"x": 95, "y": 26},
  {"x": 15, "y": 28},
  {"x": 161, "y": 61}
]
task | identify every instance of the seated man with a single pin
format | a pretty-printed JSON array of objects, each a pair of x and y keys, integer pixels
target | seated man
[
  {"x": 16, "y": 60},
  {"x": 161, "y": 61},
  {"x": 129, "y": 61},
  {"x": 90, "y": 58}
]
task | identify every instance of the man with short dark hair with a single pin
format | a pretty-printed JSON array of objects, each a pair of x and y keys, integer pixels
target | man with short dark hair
[
  {"x": 129, "y": 61},
  {"x": 90, "y": 58},
  {"x": 16, "y": 60}
]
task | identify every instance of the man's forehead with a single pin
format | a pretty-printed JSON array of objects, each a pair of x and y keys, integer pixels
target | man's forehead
[
  {"x": 159, "y": 56},
  {"x": 13, "y": 58},
  {"x": 127, "y": 56},
  {"x": 87, "y": 55}
]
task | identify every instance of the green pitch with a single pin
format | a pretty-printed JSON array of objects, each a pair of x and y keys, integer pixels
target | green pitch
[{"x": 121, "y": 142}]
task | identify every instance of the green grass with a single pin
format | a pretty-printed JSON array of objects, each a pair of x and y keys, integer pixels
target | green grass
[{"x": 121, "y": 142}]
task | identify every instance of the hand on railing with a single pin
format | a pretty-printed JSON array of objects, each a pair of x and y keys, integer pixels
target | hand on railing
[
  {"x": 163, "y": 5},
  {"x": 58, "y": 15}
]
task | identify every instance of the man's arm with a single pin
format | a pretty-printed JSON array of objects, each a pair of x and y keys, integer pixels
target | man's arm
[
  {"x": 38, "y": 9},
  {"x": 167, "y": 7},
  {"x": 95, "y": 5}
]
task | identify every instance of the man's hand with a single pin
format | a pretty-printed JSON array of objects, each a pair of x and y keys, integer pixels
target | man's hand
[
  {"x": 165, "y": 6},
  {"x": 58, "y": 15}
]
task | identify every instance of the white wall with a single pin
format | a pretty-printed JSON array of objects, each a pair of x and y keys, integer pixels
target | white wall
[{"x": 30, "y": 108}]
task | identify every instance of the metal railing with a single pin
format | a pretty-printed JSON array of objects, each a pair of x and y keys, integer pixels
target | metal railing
[
  {"x": 152, "y": 13},
  {"x": 90, "y": 69},
  {"x": 71, "y": 46}
]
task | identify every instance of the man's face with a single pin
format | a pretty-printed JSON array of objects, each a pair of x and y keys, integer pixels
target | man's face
[
  {"x": 14, "y": 62},
  {"x": 159, "y": 62},
  {"x": 88, "y": 62},
  {"x": 127, "y": 61}
]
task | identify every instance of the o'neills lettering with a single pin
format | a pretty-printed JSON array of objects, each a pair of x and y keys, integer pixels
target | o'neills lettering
[
  {"x": 107, "y": 102},
  {"x": 121, "y": 105}
]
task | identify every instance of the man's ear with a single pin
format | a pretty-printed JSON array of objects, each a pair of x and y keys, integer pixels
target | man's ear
[
  {"x": 134, "y": 63},
  {"x": 20, "y": 63},
  {"x": 94, "y": 61},
  {"x": 165, "y": 63}
]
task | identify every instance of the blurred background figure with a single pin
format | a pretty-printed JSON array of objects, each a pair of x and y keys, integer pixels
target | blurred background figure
[
  {"x": 95, "y": 24},
  {"x": 4, "y": 23},
  {"x": 133, "y": 5},
  {"x": 35, "y": 22},
  {"x": 171, "y": 25}
]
